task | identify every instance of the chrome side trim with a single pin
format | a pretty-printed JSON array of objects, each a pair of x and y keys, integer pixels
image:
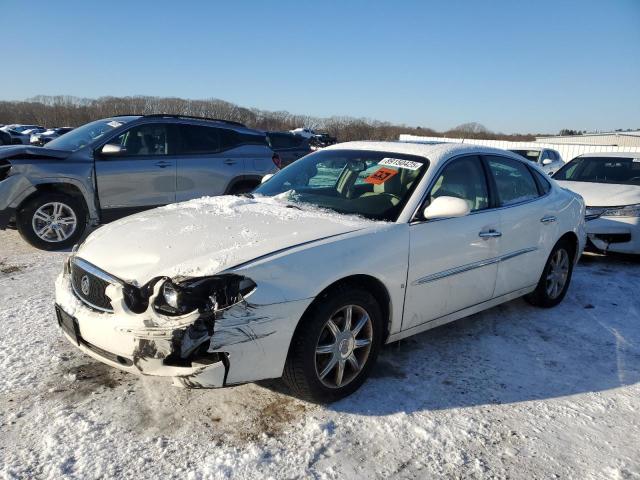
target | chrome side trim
[{"x": 471, "y": 266}]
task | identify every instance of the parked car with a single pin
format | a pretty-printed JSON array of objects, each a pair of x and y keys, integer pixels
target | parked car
[
  {"x": 113, "y": 167},
  {"x": 19, "y": 137},
  {"x": 20, "y": 128},
  {"x": 549, "y": 160},
  {"x": 288, "y": 146},
  {"x": 5, "y": 138},
  {"x": 352, "y": 246},
  {"x": 610, "y": 186},
  {"x": 44, "y": 137}
]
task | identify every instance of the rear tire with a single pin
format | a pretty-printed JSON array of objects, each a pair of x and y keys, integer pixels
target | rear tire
[
  {"x": 329, "y": 362},
  {"x": 52, "y": 221},
  {"x": 243, "y": 187},
  {"x": 556, "y": 277}
]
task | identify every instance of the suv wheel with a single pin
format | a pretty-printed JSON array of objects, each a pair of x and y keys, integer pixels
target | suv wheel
[
  {"x": 335, "y": 346},
  {"x": 52, "y": 221}
]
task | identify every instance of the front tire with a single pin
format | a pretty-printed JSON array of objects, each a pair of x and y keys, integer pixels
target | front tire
[
  {"x": 335, "y": 346},
  {"x": 556, "y": 277},
  {"x": 52, "y": 221}
]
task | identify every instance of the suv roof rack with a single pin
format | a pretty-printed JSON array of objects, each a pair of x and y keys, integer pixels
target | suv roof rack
[{"x": 194, "y": 117}]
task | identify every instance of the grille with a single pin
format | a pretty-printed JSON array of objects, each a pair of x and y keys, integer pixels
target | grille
[{"x": 96, "y": 297}]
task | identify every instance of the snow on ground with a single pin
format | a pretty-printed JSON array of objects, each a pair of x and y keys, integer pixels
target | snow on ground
[{"x": 513, "y": 392}]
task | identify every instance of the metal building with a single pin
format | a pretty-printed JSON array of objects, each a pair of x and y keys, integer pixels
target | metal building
[{"x": 617, "y": 139}]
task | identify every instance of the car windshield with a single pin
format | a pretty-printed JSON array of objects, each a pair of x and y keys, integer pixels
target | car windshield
[
  {"x": 623, "y": 171},
  {"x": 86, "y": 134},
  {"x": 375, "y": 185},
  {"x": 531, "y": 155}
]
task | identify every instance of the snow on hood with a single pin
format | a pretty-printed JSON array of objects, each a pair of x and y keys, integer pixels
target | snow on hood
[
  {"x": 208, "y": 235},
  {"x": 604, "y": 194}
]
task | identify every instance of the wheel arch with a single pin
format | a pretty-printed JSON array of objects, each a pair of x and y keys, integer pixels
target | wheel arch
[
  {"x": 252, "y": 180},
  {"x": 371, "y": 284},
  {"x": 572, "y": 239},
  {"x": 56, "y": 187}
]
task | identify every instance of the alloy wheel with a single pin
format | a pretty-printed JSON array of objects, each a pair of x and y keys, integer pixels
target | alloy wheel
[
  {"x": 54, "y": 222},
  {"x": 558, "y": 273},
  {"x": 343, "y": 347}
]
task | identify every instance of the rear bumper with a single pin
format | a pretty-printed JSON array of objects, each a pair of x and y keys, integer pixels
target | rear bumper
[{"x": 611, "y": 234}]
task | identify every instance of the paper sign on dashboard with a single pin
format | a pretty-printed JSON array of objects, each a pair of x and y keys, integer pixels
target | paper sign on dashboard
[{"x": 380, "y": 176}]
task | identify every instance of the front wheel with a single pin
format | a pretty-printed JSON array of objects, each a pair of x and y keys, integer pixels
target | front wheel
[
  {"x": 555, "y": 279},
  {"x": 52, "y": 221},
  {"x": 335, "y": 346}
]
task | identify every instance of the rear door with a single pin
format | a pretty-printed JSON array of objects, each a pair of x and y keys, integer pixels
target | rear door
[
  {"x": 209, "y": 161},
  {"x": 452, "y": 263},
  {"x": 528, "y": 224},
  {"x": 143, "y": 176}
]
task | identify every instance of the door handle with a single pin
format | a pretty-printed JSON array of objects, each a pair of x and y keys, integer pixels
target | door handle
[
  {"x": 228, "y": 161},
  {"x": 163, "y": 164},
  {"x": 548, "y": 219},
  {"x": 490, "y": 234}
]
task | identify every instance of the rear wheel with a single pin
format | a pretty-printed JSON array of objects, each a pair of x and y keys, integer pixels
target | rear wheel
[
  {"x": 555, "y": 279},
  {"x": 335, "y": 346},
  {"x": 52, "y": 221},
  {"x": 243, "y": 187}
]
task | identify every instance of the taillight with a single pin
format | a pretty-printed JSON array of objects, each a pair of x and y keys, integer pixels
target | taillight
[{"x": 276, "y": 160}]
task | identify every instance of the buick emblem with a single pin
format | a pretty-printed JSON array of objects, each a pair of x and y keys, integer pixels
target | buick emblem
[{"x": 85, "y": 285}]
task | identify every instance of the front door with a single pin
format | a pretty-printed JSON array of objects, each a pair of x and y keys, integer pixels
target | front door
[
  {"x": 142, "y": 176},
  {"x": 452, "y": 262}
]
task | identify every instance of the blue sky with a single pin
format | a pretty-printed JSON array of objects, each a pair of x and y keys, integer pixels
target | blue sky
[{"x": 534, "y": 66}]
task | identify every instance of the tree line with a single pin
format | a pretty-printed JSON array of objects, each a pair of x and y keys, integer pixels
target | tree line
[{"x": 69, "y": 111}]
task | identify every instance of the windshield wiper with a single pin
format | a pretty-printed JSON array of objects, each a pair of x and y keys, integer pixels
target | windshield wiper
[
  {"x": 248, "y": 195},
  {"x": 293, "y": 206}
]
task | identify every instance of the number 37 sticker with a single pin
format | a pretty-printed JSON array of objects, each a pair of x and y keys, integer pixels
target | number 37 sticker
[{"x": 380, "y": 176}]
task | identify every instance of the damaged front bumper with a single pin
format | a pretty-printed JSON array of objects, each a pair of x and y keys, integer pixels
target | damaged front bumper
[{"x": 246, "y": 342}]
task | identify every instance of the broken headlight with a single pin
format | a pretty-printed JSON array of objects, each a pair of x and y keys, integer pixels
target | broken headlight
[{"x": 206, "y": 294}]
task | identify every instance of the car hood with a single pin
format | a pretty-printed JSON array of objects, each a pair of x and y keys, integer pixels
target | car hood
[
  {"x": 604, "y": 194},
  {"x": 28, "y": 152},
  {"x": 208, "y": 235}
]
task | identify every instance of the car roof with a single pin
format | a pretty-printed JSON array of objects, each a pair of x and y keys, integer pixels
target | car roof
[
  {"x": 610, "y": 155},
  {"x": 433, "y": 151}
]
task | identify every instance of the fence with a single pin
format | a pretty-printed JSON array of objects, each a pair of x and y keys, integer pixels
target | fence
[{"x": 568, "y": 152}]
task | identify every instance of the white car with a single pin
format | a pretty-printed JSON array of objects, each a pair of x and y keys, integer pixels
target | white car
[
  {"x": 610, "y": 186},
  {"x": 351, "y": 247}
]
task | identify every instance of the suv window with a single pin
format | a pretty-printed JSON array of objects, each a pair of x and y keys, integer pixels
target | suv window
[
  {"x": 199, "y": 139},
  {"x": 513, "y": 180},
  {"x": 144, "y": 140},
  {"x": 463, "y": 178}
]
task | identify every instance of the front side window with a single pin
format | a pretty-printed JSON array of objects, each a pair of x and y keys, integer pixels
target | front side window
[
  {"x": 87, "y": 134},
  {"x": 623, "y": 171},
  {"x": 143, "y": 140},
  {"x": 513, "y": 181},
  {"x": 463, "y": 178},
  {"x": 375, "y": 185}
]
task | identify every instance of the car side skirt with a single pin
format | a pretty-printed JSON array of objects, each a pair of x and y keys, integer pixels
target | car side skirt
[{"x": 451, "y": 317}]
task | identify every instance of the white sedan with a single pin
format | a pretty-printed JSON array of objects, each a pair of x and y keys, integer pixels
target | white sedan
[
  {"x": 354, "y": 246},
  {"x": 610, "y": 186}
]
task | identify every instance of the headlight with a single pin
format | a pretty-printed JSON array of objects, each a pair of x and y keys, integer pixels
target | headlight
[
  {"x": 206, "y": 294},
  {"x": 592, "y": 213},
  {"x": 626, "y": 211}
]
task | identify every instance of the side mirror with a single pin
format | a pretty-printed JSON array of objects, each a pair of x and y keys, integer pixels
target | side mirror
[
  {"x": 266, "y": 177},
  {"x": 111, "y": 149},
  {"x": 547, "y": 161},
  {"x": 446, "y": 207}
]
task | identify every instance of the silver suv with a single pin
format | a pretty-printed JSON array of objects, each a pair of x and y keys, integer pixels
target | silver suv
[{"x": 113, "y": 167}]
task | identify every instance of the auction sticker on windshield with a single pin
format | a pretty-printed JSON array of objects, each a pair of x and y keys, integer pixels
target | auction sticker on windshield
[
  {"x": 380, "y": 176},
  {"x": 400, "y": 163}
]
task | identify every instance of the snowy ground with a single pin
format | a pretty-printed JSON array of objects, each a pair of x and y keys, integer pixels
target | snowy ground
[{"x": 513, "y": 392}]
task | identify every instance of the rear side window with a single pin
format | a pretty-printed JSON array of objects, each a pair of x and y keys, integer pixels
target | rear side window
[
  {"x": 513, "y": 180},
  {"x": 543, "y": 184},
  {"x": 199, "y": 139},
  {"x": 232, "y": 139}
]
